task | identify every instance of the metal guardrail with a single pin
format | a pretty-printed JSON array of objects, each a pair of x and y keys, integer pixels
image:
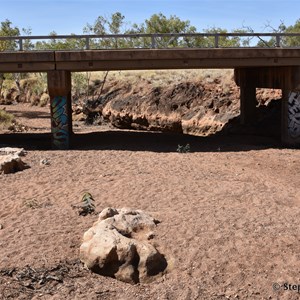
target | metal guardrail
[{"x": 154, "y": 40}]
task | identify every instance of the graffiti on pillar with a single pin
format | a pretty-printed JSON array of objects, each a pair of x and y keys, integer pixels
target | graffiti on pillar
[
  {"x": 59, "y": 120},
  {"x": 294, "y": 114}
]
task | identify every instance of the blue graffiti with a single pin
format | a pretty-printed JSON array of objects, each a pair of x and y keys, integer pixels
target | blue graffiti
[{"x": 60, "y": 126}]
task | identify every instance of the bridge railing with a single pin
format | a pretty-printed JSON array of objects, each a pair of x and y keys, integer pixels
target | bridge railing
[{"x": 154, "y": 41}]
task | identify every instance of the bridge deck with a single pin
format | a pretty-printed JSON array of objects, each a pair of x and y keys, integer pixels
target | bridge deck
[{"x": 136, "y": 59}]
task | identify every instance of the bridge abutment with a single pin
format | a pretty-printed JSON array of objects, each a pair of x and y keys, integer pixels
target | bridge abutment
[
  {"x": 59, "y": 87},
  {"x": 285, "y": 78}
]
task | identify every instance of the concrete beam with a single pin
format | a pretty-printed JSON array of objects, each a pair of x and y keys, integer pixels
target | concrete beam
[
  {"x": 178, "y": 53},
  {"x": 138, "y": 59},
  {"x": 265, "y": 77},
  {"x": 59, "y": 86},
  {"x": 18, "y": 62}
]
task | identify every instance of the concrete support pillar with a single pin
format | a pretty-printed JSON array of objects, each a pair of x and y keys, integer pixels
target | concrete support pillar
[
  {"x": 290, "y": 126},
  {"x": 59, "y": 87},
  {"x": 246, "y": 79},
  {"x": 290, "y": 119},
  {"x": 247, "y": 103}
]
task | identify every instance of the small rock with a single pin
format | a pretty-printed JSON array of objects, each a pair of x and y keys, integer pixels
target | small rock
[
  {"x": 107, "y": 213},
  {"x": 1, "y": 226}
]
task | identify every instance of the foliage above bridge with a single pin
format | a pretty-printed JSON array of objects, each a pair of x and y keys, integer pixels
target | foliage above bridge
[{"x": 158, "y": 31}]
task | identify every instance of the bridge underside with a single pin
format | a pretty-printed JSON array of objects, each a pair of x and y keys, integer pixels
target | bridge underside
[
  {"x": 266, "y": 68},
  {"x": 285, "y": 78}
]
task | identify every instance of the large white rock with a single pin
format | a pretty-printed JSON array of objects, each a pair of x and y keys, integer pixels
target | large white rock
[
  {"x": 10, "y": 160},
  {"x": 9, "y": 150},
  {"x": 117, "y": 246}
]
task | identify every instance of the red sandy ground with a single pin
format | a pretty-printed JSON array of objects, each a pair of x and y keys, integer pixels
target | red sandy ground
[{"x": 229, "y": 213}]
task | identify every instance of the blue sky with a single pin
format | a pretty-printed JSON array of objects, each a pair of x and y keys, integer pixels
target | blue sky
[{"x": 70, "y": 16}]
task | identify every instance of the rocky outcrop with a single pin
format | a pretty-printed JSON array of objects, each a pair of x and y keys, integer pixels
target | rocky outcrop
[
  {"x": 10, "y": 160},
  {"x": 119, "y": 245}
]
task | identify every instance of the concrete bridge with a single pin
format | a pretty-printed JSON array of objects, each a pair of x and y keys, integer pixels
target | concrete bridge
[{"x": 254, "y": 67}]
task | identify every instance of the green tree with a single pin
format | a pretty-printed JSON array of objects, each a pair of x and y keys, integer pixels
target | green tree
[
  {"x": 60, "y": 44},
  {"x": 223, "y": 40},
  {"x": 103, "y": 26},
  {"x": 288, "y": 41},
  {"x": 6, "y": 29},
  {"x": 293, "y": 41},
  {"x": 159, "y": 23},
  {"x": 27, "y": 44}
]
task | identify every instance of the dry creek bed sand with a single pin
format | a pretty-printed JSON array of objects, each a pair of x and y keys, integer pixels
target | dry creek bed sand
[{"x": 229, "y": 213}]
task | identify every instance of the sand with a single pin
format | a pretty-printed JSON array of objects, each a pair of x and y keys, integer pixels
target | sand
[{"x": 229, "y": 213}]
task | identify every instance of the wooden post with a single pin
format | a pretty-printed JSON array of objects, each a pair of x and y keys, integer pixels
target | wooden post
[{"x": 59, "y": 87}]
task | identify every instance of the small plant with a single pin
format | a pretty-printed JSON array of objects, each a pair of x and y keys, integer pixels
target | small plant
[
  {"x": 183, "y": 149},
  {"x": 31, "y": 203},
  {"x": 87, "y": 207}
]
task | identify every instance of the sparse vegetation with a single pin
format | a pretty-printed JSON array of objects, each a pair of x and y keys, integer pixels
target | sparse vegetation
[
  {"x": 87, "y": 205},
  {"x": 31, "y": 203},
  {"x": 6, "y": 119},
  {"x": 183, "y": 149}
]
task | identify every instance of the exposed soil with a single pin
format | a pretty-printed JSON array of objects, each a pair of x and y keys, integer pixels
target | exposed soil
[
  {"x": 190, "y": 107},
  {"x": 229, "y": 212}
]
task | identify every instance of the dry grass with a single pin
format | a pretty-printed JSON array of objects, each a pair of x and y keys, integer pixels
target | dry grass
[
  {"x": 6, "y": 119},
  {"x": 163, "y": 78}
]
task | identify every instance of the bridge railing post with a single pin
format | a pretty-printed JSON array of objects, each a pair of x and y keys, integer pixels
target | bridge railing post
[
  {"x": 20, "y": 44},
  {"x": 87, "y": 43},
  {"x": 216, "y": 41},
  {"x": 278, "y": 41},
  {"x": 153, "y": 42}
]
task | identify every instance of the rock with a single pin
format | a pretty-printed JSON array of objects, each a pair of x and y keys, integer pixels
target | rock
[
  {"x": 107, "y": 213},
  {"x": 117, "y": 246},
  {"x": 9, "y": 150},
  {"x": 10, "y": 161},
  {"x": 45, "y": 162},
  {"x": 79, "y": 117}
]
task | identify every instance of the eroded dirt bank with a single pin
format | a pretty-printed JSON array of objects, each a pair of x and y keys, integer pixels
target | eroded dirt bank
[{"x": 193, "y": 106}]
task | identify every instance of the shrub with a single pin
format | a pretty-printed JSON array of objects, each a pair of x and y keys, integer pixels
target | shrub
[
  {"x": 44, "y": 100},
  {"x": 87, "y": 206},
  {"x": 183, "y": 149},
  {"x": 6, "y": 119}
]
